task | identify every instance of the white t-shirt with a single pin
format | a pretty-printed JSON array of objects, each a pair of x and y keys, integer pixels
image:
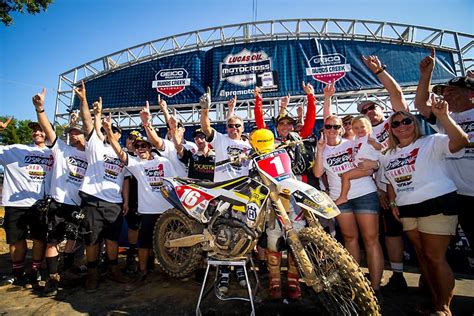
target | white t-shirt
[
  {"x": 169, "y": 152},
  {"x": 227, "y": 148},
  {"x": 70, "y": 165},
  {"x": 149, "y": 174},
  {"x": 417, "y": 171},
  {"x": 381, "y": 132},
  {"x": 461, "y": 169},
  {"x": 337, "y": 160},
  {"x": 105, "y": 171},
  {"x": 362, "y": 149},
  {"x": 27, "y": 174}
]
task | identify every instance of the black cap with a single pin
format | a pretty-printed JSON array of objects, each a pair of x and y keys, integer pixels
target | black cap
[
  {"x": 36, "y": 125},
  {"x": 76, "y": 127},
  {"x": 282, "y": 117},
  {"x": 197, "y": 132},
  {"x": 460, "y": 82}
]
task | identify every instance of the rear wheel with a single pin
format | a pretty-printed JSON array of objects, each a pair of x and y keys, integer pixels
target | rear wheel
[
  {"x": 346, "y": 291},
  {"x": 178, "y": 262}
]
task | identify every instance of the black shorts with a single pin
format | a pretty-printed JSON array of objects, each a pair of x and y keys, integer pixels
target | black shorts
[
  {"x": 103, "y": 219},
  {"x": 21, "y": 223},
  {"x": 392, "y": 227},
  {"x": 145, "y": 234},
  {"x": 60, "y": 216},
  {"x": 133, "y": 219},
  {"x": 466, "y": 216}
]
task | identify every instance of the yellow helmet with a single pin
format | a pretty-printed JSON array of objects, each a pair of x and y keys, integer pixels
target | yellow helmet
[{"x": 262, "y": 141}]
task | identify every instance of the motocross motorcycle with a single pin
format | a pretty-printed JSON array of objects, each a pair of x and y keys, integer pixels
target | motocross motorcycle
[{"x": 226, "y": 219}]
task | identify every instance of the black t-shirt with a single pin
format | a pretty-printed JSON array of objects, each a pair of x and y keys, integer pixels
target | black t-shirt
[{"x": 199, "y": 166}]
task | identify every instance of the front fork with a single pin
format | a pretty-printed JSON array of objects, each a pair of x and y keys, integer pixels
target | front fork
[{"x": 301, "y": 257}]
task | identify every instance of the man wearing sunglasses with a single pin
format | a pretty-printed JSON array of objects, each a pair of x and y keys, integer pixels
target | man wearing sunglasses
[
  {"x": 380, "y": 131},
  {"x": 148, "y": 170},
  {"x": 459, "y": 93}
]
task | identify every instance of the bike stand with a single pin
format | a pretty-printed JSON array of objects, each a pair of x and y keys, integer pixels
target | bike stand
[{"x": 234, "y": 262}]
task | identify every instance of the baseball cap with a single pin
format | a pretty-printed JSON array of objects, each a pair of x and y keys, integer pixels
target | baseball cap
[
  {"x": 282, "y": 117},
  {"x": 347, "y": 118},
  {"x": 362, "y": 104},
  {"x": 197, "y": 132},
  {"x": 76, "y": 127},
  {"x": 135, "y": 133},
  {"x": 36, "y": 125},
  {"x": 141, "y": 138},
  {"x": 460, "y": 82}
]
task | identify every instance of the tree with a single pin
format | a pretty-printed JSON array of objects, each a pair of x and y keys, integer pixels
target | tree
[
  {"x": 17, "y": 132},
  {"x": 31, "y": 6}
]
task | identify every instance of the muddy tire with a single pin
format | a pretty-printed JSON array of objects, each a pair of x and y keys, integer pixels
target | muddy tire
[
  {"x": 182, "y": 261},
  {"x": 347, "y": 291}
]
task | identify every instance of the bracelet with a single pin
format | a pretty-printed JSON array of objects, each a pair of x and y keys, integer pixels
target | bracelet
[
  {"x": 41, "y": 111},
  {"x": 378, "y": 72},
  {"x": 392, "y": 204}
]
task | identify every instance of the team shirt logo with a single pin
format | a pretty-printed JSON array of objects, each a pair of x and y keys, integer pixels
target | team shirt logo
[
  {"x": 38, "y": 166},
  {"x": 77, "y": 169},
  {"x": 113, "y": 166},
  {"x": 153, "y": 176},
  {"x": 402, "y": 169}
]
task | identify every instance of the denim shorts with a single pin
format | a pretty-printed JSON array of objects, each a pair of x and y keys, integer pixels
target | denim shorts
[{"x": 365, "y": 204}]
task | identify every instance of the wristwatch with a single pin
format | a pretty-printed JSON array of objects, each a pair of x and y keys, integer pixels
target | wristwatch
[{"x": 378, "y": 72}]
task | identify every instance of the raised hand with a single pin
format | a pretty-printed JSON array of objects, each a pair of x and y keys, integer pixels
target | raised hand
[
  {"x": 231, "y": 103},
  {"x": 145, "y": 114},
  {"x": 439, "y": 107},
  {"x": 321, "y": 142},
  {"x": 97, "y": 106},
  {"x": 173, "y": 120},
  {"x": 284, "y": 103},
  {"x": 300, "y": 110},
  {"x": 107, "y": 122},
  {"x": 372, "y": 62},
  {"x": 428, "y": 63},
  {"x": 4, "y": 125},
  {"x": 329, "y": 90},
  {"x": 162, "y": 103},
  {"x": 38, "y": 100},
  {"x": 73, "y": 118},
  {"x": 81, "y": 91},
  {"x": 257, "y": 92},
  {"x": 205, "y": 100},
  {"x": 308, "y": 88}
]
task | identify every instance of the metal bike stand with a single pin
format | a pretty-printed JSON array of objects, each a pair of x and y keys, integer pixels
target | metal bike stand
[{"x": 235, "y": 263}]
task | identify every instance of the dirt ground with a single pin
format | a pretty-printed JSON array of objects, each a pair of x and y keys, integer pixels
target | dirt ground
[{"x": 154, "y": 297}]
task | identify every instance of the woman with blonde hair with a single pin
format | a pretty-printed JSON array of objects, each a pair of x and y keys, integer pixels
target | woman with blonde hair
[
  {"x": 422, "y": 196},
  {"x": 360, "y": 212}
]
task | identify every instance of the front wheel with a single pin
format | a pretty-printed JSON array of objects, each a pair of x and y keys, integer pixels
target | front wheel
[
  {"x": 177, "y": 262},
  {"x": 345, "y": 290}
]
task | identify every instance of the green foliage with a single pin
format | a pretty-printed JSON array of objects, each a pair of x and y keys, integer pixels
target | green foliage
[
  {"x": 31, "y": 7},
  {"x": 17, "y": 132}
]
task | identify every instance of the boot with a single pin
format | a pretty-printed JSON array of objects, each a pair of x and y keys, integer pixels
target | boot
[
  {"x": 92, "y": 280},
  {"x": 51, "y": 286},
  {"x": 294, "y": 290},
  {"x": 116, "y": 275},
  {"x": 274, "y": 277}
]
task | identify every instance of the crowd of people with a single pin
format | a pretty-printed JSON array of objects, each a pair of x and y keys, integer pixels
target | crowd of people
[{"x": 377, "y": 169}]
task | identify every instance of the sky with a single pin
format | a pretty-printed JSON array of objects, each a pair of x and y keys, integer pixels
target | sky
[{"x": 36, "y": 49}]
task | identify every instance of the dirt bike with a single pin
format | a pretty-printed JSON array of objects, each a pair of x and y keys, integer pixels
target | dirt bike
[{"x": 225, "y": 220}]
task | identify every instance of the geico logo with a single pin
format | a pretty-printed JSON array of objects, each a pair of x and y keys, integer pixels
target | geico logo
[
  {"x": 174, "y": 73},
  {"x": 325, "y": 60}
]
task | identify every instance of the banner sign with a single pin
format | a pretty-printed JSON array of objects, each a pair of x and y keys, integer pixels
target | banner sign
[{"x": 278, "y": 67}]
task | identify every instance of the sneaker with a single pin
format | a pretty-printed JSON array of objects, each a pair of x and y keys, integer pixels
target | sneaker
[
  {"x": 33, "y": 280},
  {"x": 51, "y": 286},
  {"x": 7, "y": 280},
  {"x": 92, "y": 280},
  {"x": 116, "y": 275},
  {"x": 79, "y": 270},
  {"x": 239, "y": 271},
  {"x": 223, "y": 283},
  {"x": 396, "y": 283},
  {"x": 131, "y": 266}
]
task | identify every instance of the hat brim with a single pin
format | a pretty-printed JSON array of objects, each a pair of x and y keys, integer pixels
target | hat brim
[
  {"x": 34, "y": 125},
  {"x": 69, "y": 129},
  {"x": 288, "y": 118},
  {"x": 361, "y": 105}
]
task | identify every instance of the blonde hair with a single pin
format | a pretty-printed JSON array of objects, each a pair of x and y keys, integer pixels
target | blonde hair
[
  {"x": 364, "y": 120},
  {"x": 393, "y": 141},
  {"x": 342, "y": 131}
]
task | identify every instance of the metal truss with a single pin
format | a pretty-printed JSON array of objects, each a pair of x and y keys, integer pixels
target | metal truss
[{"x": 460, "y": 44}]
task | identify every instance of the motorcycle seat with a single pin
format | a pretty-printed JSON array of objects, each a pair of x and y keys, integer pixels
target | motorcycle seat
[{"x": 214, "y": 185}]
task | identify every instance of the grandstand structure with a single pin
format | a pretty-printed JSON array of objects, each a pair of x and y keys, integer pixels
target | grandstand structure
[{"x": 123, "y": 65}]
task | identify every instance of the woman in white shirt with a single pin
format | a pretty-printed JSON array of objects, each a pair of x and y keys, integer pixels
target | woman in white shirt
[
  {"x": 423, "y": 196},
  {"x": 334, "y": 157}
]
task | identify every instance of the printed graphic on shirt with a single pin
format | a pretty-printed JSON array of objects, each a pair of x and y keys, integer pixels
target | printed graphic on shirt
[
  {"x": 468, "y": 128},
  {"x": 38, "y": 166},
  {"x": 401, "y": 171},
  {"x": 207, "y": 167},
  {"x": 77, "y": 169},
  {"x": 153, "y": 177},
  {"x": 340, "y": 163},
  {"x": 113, "y": 167},
  {"x": 382, "y": 136}
]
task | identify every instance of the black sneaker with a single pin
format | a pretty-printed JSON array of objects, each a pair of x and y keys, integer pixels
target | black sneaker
[
  {"x": 396, "y": 283},
  {"x": 239, "y": 271},
  {"x": 223, "y": 283},
  {"x": 7, "y": 280},
  {"x": 131, "y": 266},
  {"x": 33, "y": 280},
  {"x": 51, "y": 286}
]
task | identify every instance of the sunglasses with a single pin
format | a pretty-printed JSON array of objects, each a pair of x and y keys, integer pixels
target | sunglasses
[
  {"x": 405, "y": 121},
  {"x": 234, "y": 125},
  {"x": 367, "y": 109},
  {"x": 329, "y": 126},
  {"x": 142, "y": 145}
]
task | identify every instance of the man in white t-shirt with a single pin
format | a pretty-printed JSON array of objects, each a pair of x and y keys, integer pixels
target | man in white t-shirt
[
  {"x": 64, "y": 214},
  {"x": 229, "y": 149},
  {"x": 380, "y": 127},
  {"x": 27, "y": 179},
  {"x": 101, "y": 195},
  {"x": 459, "y": 93},
  {"x": 148, "y": 170}
]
